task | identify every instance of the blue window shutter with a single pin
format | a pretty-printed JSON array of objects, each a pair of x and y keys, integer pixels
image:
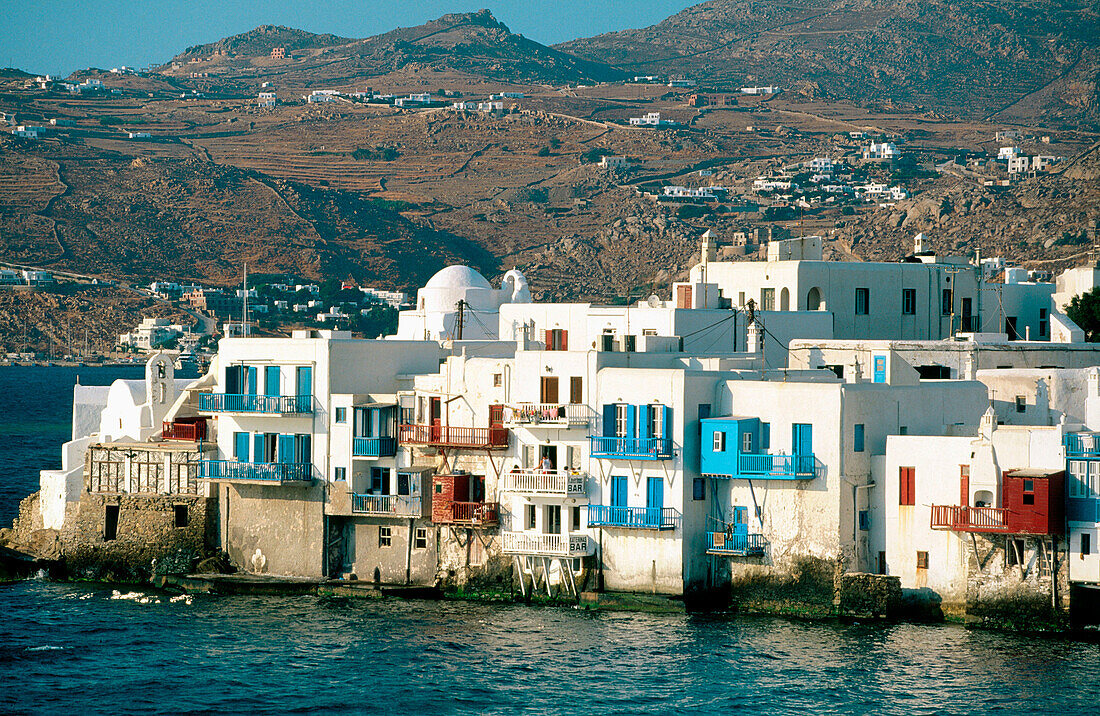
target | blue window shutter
[
  {"x": 258, "y": 448},
  {"x": 765, "y": 436},
  {"x": 271, "y": 380},
  {"x": 302, "y": 451},
  {"x": 631, "y": 421},
  {"x": 304, "y": 384},
  {"x": 286, "y": 448},
  {"x": 666, "y": 421},
  {"x": 253, "y": 381},
  {"x": 609, "y": 420},
  {"x": 240, "y": 446},
  {"x": 655, "y": 493},
  {"x": 618, "y": 491}
]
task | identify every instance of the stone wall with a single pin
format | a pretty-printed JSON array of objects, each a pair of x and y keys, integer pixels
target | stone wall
[{"x": 1017, "y": 582}]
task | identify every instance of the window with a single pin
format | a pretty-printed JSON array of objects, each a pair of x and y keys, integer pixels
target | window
[
  {"x": 765, "y": 436},
  {"x": 864, "y": 520},
  {"x": 575, "y": 522},
  {"x": 908, "y": 301},
  {"x": 341, "y": 415},
  {"x": 404, "y": 486},
  {"x": 553, "y": 520},
  {"x": 863, "y": 301},
  {"x": 420, "y": 539},
  {"x": 656, "y": 421},
  {"x": 857, "y": 438},
  {"x": 746, "y": 442},
  {"x": 649, "y": 331},
  {"x": 947, "y": 302},
  {"x": 110, "y": 522},
  {"x": 719, "y": 441},
  {"x": 1042, "y": 321},
  {"x": 1015, "y": 551},
  {"x": 699, "y": 488},
  {"x": 576, "y": 390},
  {"x": 622, "y": 420},
  {"x": 530, "y": 510},
  {"x": 385, "y": 537},
  {"x": 557, "y": 339},
  {"x": 498, "y": 380},
  {"x": 1029, "y": 492},
  {"x": 907, "y": 478},
  {"x": 922, "y": 560},
  {"x": 340, "y": 473},
  {"x": 380, "y": 481},
  {"x": 182, "y": 517},
  {"x": 630, "y": 343},
  {"x": 1021, "y": 403},
  {"x": 1086, "y": 544},
  {"x": 767, "y": 299}
]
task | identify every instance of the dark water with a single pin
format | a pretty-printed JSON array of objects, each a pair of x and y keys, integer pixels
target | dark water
[{"x": 73, "y": 649}]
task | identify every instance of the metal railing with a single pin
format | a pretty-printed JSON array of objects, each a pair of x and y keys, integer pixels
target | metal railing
[
  {"x": 248, "y": 403},
  {"x": 1082, "y": 444},
  {"x": 545, "y": 544},
  {"x": 260, "y": 471},
  {"x": 737, "y": 545},
  {"x": 473, "y": 513},
  {"x": 647, "y": 518},
  {"x": 636, "y": 448},
  {"x": 389, "y": 505},
  {"x": 176, "y": 430},
  {"x": 970, "y": 519},
  {"x": 545, "y": 482},
  {"x": 788, "y": 467},
  {"x": 373, "y": 447},
  {"x": 547, "y": 413},
  {"x": 450, "y": 436}
]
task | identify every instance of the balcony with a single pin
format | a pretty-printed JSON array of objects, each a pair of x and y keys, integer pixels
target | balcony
[
  {"x": 386, "y": 505},
  {"x": 233, "y": 471},
  {"x": 1082, "y": 444},
  {"x": 247, "y": 403},
  {"x": 546, "y": 545},
  {"x": 971, "y": 519},
  {"x": 192, "y": 429},
  {"x": 552, "y": 415},
  {"x": 643, "y": 518},
  {"x": 552, "y": 483},
  {"x": 632, "y": 448},
  {"x": 735, "y": 545},
  {"x": 449, "y": 436},
  {"x": 373, "y": 447},
  {"x": 776, "y": 467},
  {"x": 475, "y": 514}
]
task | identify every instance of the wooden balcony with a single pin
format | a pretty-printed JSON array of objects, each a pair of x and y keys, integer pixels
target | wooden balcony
[
  {"x": 551, "y": 415},
  {"x": 474, "y": 514},
  {"x": 495, "y": 438},
  {"x": 971, "y": 519},
  {"x": 386, "y": 505},
  {"x": 373, "y": 447},
  {"x": 191, "y": 429},
  {"x": 546, "y": 545},
  {"x": 631, "y": 448},
  {"x": 551, "y": 483}
]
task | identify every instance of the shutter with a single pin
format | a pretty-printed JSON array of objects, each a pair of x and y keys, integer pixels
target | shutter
[
  {"x": 666, "y": 421},
  {"x": 564, "y": 340},
  {"x": 252, "y": 380},
  {"x": 286, "y": 448},
  {"x": 240, "y": 446},
  {"x": 528, "y": 456},
  {"x": 546, "y": 340},
  {"x": 576, "y": 388},
  {"x": 258, "y": 447},
  {"x": 609, "y": 420},
  {"x": 572, "y": 457},
  {"x": 765, "y": 436},
  {"x": 631, "y": 421},
  {"x": 302, "y": 449}
]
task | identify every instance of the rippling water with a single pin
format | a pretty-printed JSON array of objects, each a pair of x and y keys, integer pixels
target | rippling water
[{"x": 74, "y": 649}]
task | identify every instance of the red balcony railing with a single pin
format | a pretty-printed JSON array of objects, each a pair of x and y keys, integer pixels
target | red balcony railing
[
  {"x": 193, "y": 430},
  {"x": 450, "y": 436},
  {"x": 970, "y": 519},
  {"x": 474, "y": 513}
]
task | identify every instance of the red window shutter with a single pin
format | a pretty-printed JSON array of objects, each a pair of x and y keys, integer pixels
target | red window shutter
[
  {"x": 564, "y": 340},
  {"x": 907, "y": 486}
]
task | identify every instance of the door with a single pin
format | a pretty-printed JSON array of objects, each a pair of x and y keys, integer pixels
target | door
[
  {"x": 288, "y": 449},
  {"x": 879, "y": 370},
  {"x": 576, "y": 385},
  {"x": 548, "y": 454},
  {"x": 683, "y": 297},
  {"x": 1010, "y": 328},
  {"x": 966, "y": 325},
  {"x": 802, "y": 446},
  {"x": 964, "y": 485},
  {"x": 740, "y": 520},
  {"x": 240, "y": 447},
  {"x": 304, "y": 386},
  {"x": 271, "y": 380},
  {"x": 435, "y": 417},
  {"x": 549, "y": 389},
  {"x": 553, "y": 520},
  {"x": 618, "y": 491},
  {"x": 655, "y": 495}
]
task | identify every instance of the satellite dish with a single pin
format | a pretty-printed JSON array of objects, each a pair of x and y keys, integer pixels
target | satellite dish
[{"x": 653, "y": 301}]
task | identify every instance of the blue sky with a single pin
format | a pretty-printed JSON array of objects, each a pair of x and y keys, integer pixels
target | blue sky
[{"x": 59, "y": 36}]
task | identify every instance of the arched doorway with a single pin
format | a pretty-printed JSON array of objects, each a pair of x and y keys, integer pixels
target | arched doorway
[
  {"x": 814, "y": 300},
  {"x": 784, "y": 300}
]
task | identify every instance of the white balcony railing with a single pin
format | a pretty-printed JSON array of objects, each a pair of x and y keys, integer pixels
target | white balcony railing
[
  {"x": 559, "y": 483},
  {"x": 545, "y": 544},
  {"x": 546, "y": 414}
]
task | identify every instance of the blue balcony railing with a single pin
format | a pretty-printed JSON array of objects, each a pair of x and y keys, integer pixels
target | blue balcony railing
[
  {"x": 780, "y": 467},
  {"x": 373, "y": 447},
  {"x": 258, "y": 471},
  {"x": 632, "y": 448},
  {"x": 1082, "y": 444},
  {"x": 1082, "y": 509},
  {"x": 645, "y": 518},
  {"x": 247, "y": 403},
  {"x": 735, "y": 545}
]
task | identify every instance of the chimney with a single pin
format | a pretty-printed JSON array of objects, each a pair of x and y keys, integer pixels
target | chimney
[
  {"x": 918, "y": 244},
  {"x": 710, "y": 247}
]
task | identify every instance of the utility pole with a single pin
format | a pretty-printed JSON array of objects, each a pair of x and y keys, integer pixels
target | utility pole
[{"x": 461, "y": 318}]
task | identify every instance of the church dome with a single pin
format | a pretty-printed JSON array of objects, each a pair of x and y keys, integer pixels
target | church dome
[{"x": 457, "y": 277}]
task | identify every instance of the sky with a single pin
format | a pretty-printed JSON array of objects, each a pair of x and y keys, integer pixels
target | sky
[{"x": 60, "y": 36}]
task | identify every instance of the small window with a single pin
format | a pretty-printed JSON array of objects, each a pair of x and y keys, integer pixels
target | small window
[
  {"x": 649, "y": 331},
  {"x": 864, "y": 520},
  {"x": 699, "y": 488},
  {"x": 438, "y": 488},
  {"x": 530, "y": 509},
  {"x": 948, "y": 301},
  {"x": 1021, "y": 403},
  {"x": 385, "y": 536},
  {"x": 341, "y": 415},
  {"x": 183, "y": 518},
  {"x": 857, "y": 438},
  {"x": 340, "y": 473},
  {"x": 719, "y": 441},
  {"x": 1029, "y": 492},
  {"x": 110, "y": 522},
  {"x": 746, "y": 442},
  {"x": 420, "y": 540},
  {"x": 908, "y": 301},
  {"x": 575, "y": 521},
  {"x": 863, "y": 301},
  {"x": 1086, "y": 544},
  {"x": 922, "y": 560},
  {"x": 498, "y": 380}
]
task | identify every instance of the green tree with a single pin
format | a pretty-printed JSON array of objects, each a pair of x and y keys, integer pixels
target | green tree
[{"x": 1084, "y": 310}]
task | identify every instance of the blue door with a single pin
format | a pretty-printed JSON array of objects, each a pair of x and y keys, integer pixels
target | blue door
[
  {"x": 240, "y": 446},
  {"x": 618, "y": 491},
  {"x": 880, "y": 370},
  {"x": 304, "y": 386},
  {"x": 286, "y": 449},
  {"x": 252, "y": 381},
  {"x": 802, "y": 439},
  {"x": 271, "y": 380},
  {"x": 740, "y": 520}
]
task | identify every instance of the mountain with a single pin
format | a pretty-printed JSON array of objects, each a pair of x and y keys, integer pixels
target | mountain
[
  {"x": 471, "y": 43},
  {"x": 971, "y": 58}
]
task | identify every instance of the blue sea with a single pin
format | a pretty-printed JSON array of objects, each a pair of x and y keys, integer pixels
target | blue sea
[{"x": 89, "y": 648}]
